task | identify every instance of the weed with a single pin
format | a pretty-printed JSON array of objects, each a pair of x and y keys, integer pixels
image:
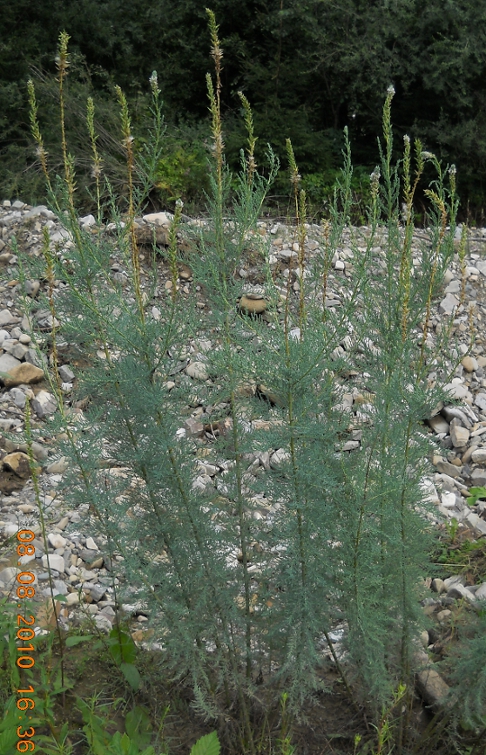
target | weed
[{"x": 348, "y": 540}]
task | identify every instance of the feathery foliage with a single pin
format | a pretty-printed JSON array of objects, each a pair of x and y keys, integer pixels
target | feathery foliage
[{"x": 235, "y": 595}]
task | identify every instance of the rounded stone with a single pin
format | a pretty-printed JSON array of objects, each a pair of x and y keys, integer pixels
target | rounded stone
[
  {"x": 57, "y": 541},
  {"x": 18, "y": 463},
  {"x": 479, "y": 455},
  {"x": 470, "y": 364},
  {"x": 197, "y": 370},
  {"x": 252, "y": 306}
]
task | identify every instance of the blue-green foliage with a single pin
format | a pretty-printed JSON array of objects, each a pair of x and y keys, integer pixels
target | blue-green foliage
[{"x": 229, "y": 595}]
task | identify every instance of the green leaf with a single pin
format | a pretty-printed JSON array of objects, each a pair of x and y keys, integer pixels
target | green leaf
[
  {"x": 72, "y": 641},
  {"x": 123, "y": 648},
  {"x": 131, "y": 674},
  {"x": 138, "y": 726},
  {"x": 476, "y": 493},
  {"x": 207, "y": 745}
]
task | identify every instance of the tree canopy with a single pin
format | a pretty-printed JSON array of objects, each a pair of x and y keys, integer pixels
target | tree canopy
[{"x": 308, "y": 68}]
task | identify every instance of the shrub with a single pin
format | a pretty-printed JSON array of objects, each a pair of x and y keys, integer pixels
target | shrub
[{"x": 245, "y": 607}]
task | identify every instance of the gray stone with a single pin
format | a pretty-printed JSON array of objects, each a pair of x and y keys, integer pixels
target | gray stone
[
  {"x": 44, "y": 404},
  {"x": 481, "y": 591},
  {"x": 460, "y": 591},
  {"x": 465, "y": 415},
  {"x": 6, "y": 317},
  {"x": 7, "y": 363},
  {"x": 476, "y": 522},
  {"x": 103, "y": 623},
  {"x": 278, "y": 458},
  {"x": 66, "y": 374},
  {"x": 480, "y": 401},
  {"x": 448, "y": 304},
  {"x": 97, "y": 592},
  {"x": 431, "y": 686},
  {"x": 439, "y": 424},
  {"x": 58, "y": 467},
  {"x": 446, "y": 467},
  {"x": 459, "y": 436},
  {"x": 60, "y": 587},
  {"x": 9, "y": 574},
  {"x": 197, "y": 370},
  {"x": 19, "y": 351},
  {"x": 478, "y": 476},
  {"x": 193, "y": 427},
  {"x": 479, "y": 456},
  {"x": 18, "y": 396}
]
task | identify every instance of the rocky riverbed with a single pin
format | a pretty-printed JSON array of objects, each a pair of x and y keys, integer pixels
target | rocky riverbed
[{"x": 76, "y": 555}]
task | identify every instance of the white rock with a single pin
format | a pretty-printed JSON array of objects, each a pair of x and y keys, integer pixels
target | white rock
[
  {"x": 87, "y": 221},
  {"x": 448, "y": 304},
  {"x": 8, "y": 574},
  {"x": 6, "y": 317},
  {"x": 460, "y": 591},
  {"x": 458, "y": 391},
  {"x": 448, "y": 500},
  {"x": 481, "y": 266},
  {"x": 476, "y": 522},
  {"x": 54, "y": 561},
  {"x": 480, "y": 401},
  {"x": 457, "y": 579},
  {"x": 91, "y": 545},
  {"x": 57, "y": 541},
  {"x": 481, "y": 592},
  {"x": 479, "y": 455},
  {"x": 44, "y": 404},
  {"x": 454, "y": 287},
  {"x": 202, "y": 482},
  {"x": 10, "y": 529},
  {"x": 197, "y": 370},
  {"x": 102, "y": 623},
  {"x": 158, "y": 218},
  {"x": 278, "y": 458}
]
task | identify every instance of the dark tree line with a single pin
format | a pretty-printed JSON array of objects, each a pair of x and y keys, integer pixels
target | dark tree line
[{"x": 309, "y": 68}]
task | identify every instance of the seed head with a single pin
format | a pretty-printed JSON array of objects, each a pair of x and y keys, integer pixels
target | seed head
[
  {"x": 375, "y": 176},
  {"x": 154, "y": 83}
]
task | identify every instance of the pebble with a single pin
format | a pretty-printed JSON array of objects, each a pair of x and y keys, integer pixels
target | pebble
[{"x": 80, "y": 559}]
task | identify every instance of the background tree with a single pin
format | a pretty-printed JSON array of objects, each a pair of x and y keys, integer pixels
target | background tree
[{"x": 309, "y": 68}]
